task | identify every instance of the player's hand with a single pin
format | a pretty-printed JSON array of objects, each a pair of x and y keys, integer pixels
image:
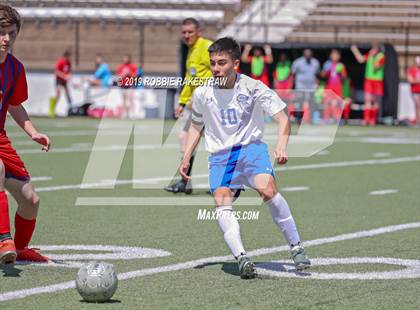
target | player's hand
[
  {"x": 353, "y": 47},
  {"x": 185, "y": 164},
  {"x": 281, "y": 156},
  {"x": 189, "y": 104},
  {"x": 178, "y": 111},
  {"x": 248, "y": 46},
  {"x": 43, "y": 140}
]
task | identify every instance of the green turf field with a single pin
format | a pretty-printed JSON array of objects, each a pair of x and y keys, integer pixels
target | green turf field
[{"x": 347, "y": 200}]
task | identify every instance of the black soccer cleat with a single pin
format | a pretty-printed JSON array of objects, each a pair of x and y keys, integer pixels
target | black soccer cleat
[{"x": 179, "y": 187}]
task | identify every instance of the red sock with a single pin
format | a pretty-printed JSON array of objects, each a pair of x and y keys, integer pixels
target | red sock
[
  {"x": 306, "y": 113},
  {"x": 23, "y": 231},
  {"x": 327, "y": 111},
  {"x": 337, "y": 112},
  {"x": 366, "y": 115},
  {"x": 346, "y": 111},
  {"x": 373, "y": 114},
  {"x": 4, "y": 214}
]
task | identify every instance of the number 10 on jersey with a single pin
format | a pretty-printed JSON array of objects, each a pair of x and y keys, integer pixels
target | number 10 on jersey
[{"x": 228, "y": 116}]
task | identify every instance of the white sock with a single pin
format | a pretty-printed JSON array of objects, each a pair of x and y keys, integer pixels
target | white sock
[
  {"x": 282, "y": 217},
  {"x": 229, "y": 226}
]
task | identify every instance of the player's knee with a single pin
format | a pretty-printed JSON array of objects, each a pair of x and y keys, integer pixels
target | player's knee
[
  {"x": 2, "y": 169},
  {"x": 268, "y": 193},
  {"x": 32, "y": 199},
  {"x": 222, "y": 198}
]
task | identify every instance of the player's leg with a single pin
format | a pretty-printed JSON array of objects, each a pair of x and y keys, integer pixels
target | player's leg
[
  {"x": 416, "y": 98},
  {"x": 282, "y": 217},
  {"x": 7, "y": 246},
  {"x": 54, "y": 100},
  {"x": 347, "y": 108},
  {"x": 182, "y": 186},
  {"x": 376, "y": 99},
  {"x": 229, "y": 226},
  {"x": 25, "y": 218},
  {"x": 68, "y": 97},
  {"x": 367, "y": 109}
]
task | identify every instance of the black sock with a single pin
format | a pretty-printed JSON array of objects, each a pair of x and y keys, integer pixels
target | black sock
[
  {"x": 191, "y": 165},
  {"x": 5, "y": 236}
]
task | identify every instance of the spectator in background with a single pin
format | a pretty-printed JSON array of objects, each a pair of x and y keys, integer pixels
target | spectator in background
[
  {"x": 334, "y": 73},
  {"x": 283, "y": 77},
  {"x": 127, "y": 73},
  {"x": 373, "y": 85},
  {"x": 62, "y": 78},
  {"x": 259, "y": 61},
  {"x": 102, "y": 76},
  {"x": 305, "y": 70},
  {"x": 413, "y": 77}
]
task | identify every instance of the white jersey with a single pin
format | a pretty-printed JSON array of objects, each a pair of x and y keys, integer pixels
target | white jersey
[{"x": 234, "y": 116}]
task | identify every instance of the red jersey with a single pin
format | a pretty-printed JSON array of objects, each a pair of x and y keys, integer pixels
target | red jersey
[
  {"x": 14, "y": 89},
  {"x": 414, "y": 72},
  {"x": 126, "y": 71},
  {"x": 63, "y": 65}
]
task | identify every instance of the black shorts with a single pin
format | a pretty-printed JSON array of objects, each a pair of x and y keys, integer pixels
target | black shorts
[{"x": 59, "y": 82}]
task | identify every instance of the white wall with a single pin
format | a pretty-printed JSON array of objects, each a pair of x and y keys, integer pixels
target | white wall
[{"x": 42, "y": 88}]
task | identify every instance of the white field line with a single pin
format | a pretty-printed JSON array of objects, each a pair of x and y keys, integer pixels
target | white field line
[
  {"x": 158, "y": 146},
  {"x": 18, "y": 294},
  {"x": 40, "y": 179},
  {"x": 116, "y": 147},
  {"x": 200, "y": 176},
  {"x": 384, "y": 192}
]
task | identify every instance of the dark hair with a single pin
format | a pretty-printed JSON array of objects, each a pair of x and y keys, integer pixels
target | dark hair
[
  {"x": 9, "y": 16},
  {"x": 228, "y": 45},
  {"x": 67, "y": 53},
  {"x": 191, "y": 21}
]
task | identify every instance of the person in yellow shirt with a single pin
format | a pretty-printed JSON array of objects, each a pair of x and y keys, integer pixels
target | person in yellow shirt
[{"x": 197, "y": 67}]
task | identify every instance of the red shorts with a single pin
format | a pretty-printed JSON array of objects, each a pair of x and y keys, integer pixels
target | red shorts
[
  {"x": 373, "y": 87},
  {"x": 14, "y": 166}
]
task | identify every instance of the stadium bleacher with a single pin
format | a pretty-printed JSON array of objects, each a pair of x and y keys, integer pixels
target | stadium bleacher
[{"x": 355, "y": 21}]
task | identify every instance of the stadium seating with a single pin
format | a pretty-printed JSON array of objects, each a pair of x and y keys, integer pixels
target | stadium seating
[{"x": 356, "y": 21}]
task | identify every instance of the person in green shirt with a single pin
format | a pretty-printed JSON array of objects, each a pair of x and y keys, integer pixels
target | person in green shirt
[
  {"x": 197, "y": 67},
  {"x": 374, "y": 77}
]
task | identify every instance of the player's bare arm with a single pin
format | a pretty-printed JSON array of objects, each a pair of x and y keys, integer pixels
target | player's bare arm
[
  {"x": 268, "y": 54},
  {"x": 245, "y": 55},
  {"x": 22, "y": 119},
  {"x": 357, "y": 54},
  {"x": 194, "y": 135},
  {"x": 280, "y": 153}
]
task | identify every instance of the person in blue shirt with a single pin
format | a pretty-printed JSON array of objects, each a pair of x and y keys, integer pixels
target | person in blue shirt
[{"x": 102, "y": 76}]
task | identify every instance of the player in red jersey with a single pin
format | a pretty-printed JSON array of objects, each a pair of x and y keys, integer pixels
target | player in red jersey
[
  {"x": 13, "y": 175},
  {"x": 259, "y": 62},
  {"x": 413, "y": 77},
  {"x": 62, "y": 79},
  {"x": 334, "y": 73},
  {"x": 127, "y": 72}
]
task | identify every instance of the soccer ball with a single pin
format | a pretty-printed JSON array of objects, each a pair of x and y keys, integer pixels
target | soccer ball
[{"x": 96, "y": 282}]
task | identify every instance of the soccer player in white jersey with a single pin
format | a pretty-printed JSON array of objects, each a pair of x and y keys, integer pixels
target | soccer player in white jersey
[{"x": 233, "y": 120}]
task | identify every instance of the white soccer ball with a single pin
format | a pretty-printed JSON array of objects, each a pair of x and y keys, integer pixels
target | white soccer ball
[{"x": 96, "y": 282}]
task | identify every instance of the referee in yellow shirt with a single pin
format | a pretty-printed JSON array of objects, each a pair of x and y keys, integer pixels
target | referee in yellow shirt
[{"x": 197, "y": 66}]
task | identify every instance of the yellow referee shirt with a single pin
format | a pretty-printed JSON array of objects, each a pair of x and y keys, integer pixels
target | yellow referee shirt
[{"x": 197, "y": 66}]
